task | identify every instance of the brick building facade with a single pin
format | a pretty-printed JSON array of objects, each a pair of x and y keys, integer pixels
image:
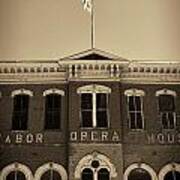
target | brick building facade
[{"x": 90, "y": 116}]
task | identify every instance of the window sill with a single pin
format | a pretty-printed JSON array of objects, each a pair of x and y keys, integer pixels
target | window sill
[
  {"x": 94, "y": 128},
  {"x": 169, "y": 130},
  {"x": 52, "y": 130},
  {"x": 137, "y": 130},
  {"x": 19, "y": 131}
]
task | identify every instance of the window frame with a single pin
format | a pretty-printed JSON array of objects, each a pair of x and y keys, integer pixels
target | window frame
[
  {"x": 95, "y": 171},
  {"x": 160, "y": 113},
  {"x": 135, "y": 93},
  {"x": 94, "y": 89},
  {"x": 87, "y": 162},
  {"x": 16, "y": 167},
  {"x": 19, "y": 92},
  {"x": 61, "y": 93},
  {"x": 51, "y": 165},
  {"x": 22, "y": 111}
]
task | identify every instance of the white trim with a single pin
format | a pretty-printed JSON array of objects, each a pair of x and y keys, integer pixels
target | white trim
[
  {"x": 99, "y": 52},
  {"x": 53, "y": 91},
  {"x": 173, "y": 95},
  {"x": 134, "y": 92},
  {"x": 94, "y": 88},
  {"x": 136, "y": 111},
  {"x": 16, "y": 167},
  {"x": 48, "y": 166},
  {"x": 21, "y": 92},
  {"x": 143, "y": 166},
  {"x": 103, "y": 160},
  {"x": 167, "y": 168},
  {"x": 166, "y": 92}
]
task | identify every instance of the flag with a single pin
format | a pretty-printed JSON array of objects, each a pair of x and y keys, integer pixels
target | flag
[{"x": 87, "y": 5}]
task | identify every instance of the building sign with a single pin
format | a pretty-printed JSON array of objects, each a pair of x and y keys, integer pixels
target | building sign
[
  {"x": 21, "y": 138},
  {"x": 162, "y": 138},
  {"x": 94, "y": 136}
]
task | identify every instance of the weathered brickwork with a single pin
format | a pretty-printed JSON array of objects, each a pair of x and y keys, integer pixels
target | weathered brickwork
[{"x": 72, "y": 148}]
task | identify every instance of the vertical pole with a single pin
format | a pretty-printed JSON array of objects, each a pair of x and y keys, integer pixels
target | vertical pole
[{"x": 92, "y": 26}]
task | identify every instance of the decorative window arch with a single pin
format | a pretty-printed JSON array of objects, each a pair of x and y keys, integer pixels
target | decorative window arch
[
  {"x": 51, "y": 166},
  {"x": 16, "y": 167},
  {"x": 94, "y": 106},
  {"x": 166, "y": 105},
  {"x": 95, "y": 162},
  {"x": 168, "y": 168},
  {"x": 166, "y": 92},
  {"x": 21, "y": 92},
  {"x": 135, "y": 108},
  {"x": 53, "y": 91},
  {"x": 94, "y": 88},
  {"x": 53, "y": 108},
  {"x": 142, "y": 166},
  {"x": 134, "y": 92}
]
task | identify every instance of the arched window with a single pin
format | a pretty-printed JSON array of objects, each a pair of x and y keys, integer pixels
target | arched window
[
  {"x": 166, "y": 104},
  {"x": 140, "y": 171},
  {"x": 16, "y": 171},
  {"x": 172, "y": 175},
  {"x": 87, "y": 174},
  {"x": 53, "y": 108},
  {"x": 170, "y": 172},
  {"x": 103, "y": 174},
  {"x": 95, "y": 166},
  {"x": 15, "y": 175},
  {"x": 94, "y": 106},
  {"x": 135, "y": 108},
  {"x": 51, "y": 175},
  {"x": 51, "y": 171},
  {"x": 139, "y": 174}
]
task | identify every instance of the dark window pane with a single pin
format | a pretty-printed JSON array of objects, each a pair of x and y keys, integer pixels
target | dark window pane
[
  {"x": 52, "y": 111},
  {"x": 51, "y": 175},
  {"x": 166, "y": 103},
  {"x": 164, "y": 117},
  {"x": 103, "y": 174},
  {"x": 139, "y": 174},
  {"x": 86, "y": 101},
  {"x": 86, "y": 110},
  {"x": 131, "y": 103},
  {"x": 15, "y": 175},
  {"x": 102, "y": 118},
  {"x": 139, "y": 122},
  {"x": 20, "y": 112},
  {"x": 87, "y": 174},
  {"x": 101, "y": 110},
  {"x": 168, "y": 121},
  {"x": 86, "y": 118},
  {"x": 101, "y": 101},
  {"x": 137, "y": 100},
  {"x": 171, "y": 120},
  {"x": 132, "y": 120},
  {"x": 172, "y": 175}
]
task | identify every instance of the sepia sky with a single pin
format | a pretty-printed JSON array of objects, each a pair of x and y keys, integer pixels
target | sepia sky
[{"x": 51, "y": 29}]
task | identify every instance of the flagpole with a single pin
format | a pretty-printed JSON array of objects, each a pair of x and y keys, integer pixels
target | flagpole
[{"x": 92, "y": 26}]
